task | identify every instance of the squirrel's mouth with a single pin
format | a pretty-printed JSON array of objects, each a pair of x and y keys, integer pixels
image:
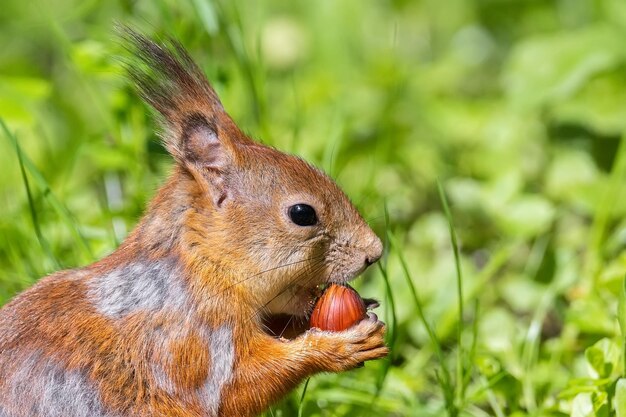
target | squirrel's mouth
[
  {"x": 287, "y": 316},
  {"x": 294, "y": 320},
  {"x": 290, "y": 326}
]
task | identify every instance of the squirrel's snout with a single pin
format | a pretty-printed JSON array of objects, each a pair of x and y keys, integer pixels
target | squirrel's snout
[{"x": 374, "y": 250}]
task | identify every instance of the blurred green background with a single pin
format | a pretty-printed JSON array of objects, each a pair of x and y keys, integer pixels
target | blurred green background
[{"x": 518, "y": 107}]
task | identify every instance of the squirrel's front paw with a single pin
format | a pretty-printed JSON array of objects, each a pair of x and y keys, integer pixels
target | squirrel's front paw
[{"x": 348, "y": 349}]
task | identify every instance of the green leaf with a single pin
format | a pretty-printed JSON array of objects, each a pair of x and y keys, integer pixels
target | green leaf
[
  {"x": 595, "y": 358},
  {"x": 598, "y": 105},
  {"x": 603, "y": 358},
  {"x": 582, "y": 406},
  {"x": 526, "y": 216},
  {"x": 600, "y": 405},
  {"x": 552, "y": 67}
]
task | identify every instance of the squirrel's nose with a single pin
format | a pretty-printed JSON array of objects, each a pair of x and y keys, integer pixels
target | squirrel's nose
[{"x": 374, "y": 250}]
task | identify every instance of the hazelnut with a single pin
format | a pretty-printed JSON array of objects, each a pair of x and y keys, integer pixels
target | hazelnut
[{"x": 338, "y": 308}]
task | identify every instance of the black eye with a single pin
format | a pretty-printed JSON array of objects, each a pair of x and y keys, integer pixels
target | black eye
[{"x": 302, "y": 215}]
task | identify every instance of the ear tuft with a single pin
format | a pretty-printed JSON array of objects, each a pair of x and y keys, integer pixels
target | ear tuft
[{"x": 166, "y": 76}]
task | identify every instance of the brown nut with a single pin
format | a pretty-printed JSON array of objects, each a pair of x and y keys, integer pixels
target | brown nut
[{"x": 339, "y": 308}]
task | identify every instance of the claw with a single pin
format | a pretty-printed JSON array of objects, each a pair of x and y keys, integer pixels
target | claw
[
  {"x": 372, "y": 317},
  {"x": 371, "y": 303}
]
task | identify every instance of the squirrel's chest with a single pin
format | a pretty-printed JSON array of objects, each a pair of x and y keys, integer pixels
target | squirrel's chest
[{"x": 179, "y": 358}]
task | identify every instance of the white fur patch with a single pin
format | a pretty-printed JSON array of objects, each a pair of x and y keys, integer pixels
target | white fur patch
[
  {"x": 162, "y": 380},
  {"x": 138, "y": 286},
  {"x": 41, "y": 388},
  {"x": 222, "y": 352}
]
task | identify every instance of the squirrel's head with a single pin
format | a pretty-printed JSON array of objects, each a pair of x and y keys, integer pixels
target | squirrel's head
[{"x": 276, "y": 226}]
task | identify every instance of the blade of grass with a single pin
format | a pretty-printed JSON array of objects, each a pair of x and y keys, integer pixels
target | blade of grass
[
  {"x": 460, "y": 387},
  {"x": 485, "y": 385},
  {"x": 390, "y": 307},
  {"x": 33, "y": 212},
  {"x": 333, "y": 146},
  {"x": 208, "y": 16},
  {"x": 531, "y": 341},
  {"x": 603, "y": 212},
  {"x": 472, "y": 351},
  {"x": 497, "y": 261},
  {"x": 298, "y": 120},
  {"x": 47, "y": 193},
  {"x": 448, "y": 394},
  {"x": 388, "y": 290},
  {"x": 392, "y": 334},
  {"x": 231, "y": 19},
  {"x": 621, "y": 318},
  {"x": 444, "y": 377},
  {"x": 301, "y": 405}
]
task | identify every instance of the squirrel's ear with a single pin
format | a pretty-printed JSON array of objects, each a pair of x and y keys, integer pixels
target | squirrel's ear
[{"x": 207, "y": 153}]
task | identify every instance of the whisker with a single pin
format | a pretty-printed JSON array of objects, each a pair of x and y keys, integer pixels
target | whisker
[
  {"x": 310, "y": 273},
  {"x": 289, "y": 301},
  {"x": 282, "y": 332},
  {"x": 316, "y": 268},
  {"x": 261, "y": 273},
  {"x": 376, "y": 219}
]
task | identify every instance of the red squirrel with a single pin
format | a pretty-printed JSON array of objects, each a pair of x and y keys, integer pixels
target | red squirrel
[{"x": 171, "y": 323}]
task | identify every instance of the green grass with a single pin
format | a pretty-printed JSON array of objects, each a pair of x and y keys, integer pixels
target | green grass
[{"x": 483, "y": 140}]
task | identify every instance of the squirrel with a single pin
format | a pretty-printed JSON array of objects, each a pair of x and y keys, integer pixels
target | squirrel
[{"x": 171, "y": 323}]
